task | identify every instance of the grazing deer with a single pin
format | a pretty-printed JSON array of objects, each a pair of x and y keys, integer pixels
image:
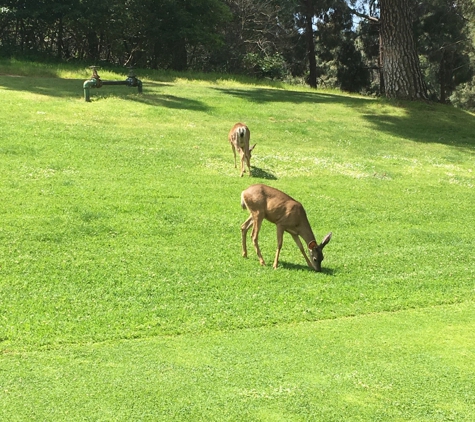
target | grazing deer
[
  {"x": 264, "y": 202},
  {"x": 239, "y": 137}
]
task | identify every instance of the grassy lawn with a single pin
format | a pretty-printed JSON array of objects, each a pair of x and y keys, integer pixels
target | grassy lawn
[{"x": 123, "y": 293}]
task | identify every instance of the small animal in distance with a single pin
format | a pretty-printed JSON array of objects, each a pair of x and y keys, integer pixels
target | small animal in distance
[{"x": 239, "y": 137}]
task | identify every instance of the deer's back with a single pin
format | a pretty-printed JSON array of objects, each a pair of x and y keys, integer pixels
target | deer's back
[
  {"x": 277, "y": 206},
  {"x": 235, "y": 132}
]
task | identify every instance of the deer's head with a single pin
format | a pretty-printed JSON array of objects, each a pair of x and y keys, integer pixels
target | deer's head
[
  {"x": 316, "y": 252},
  {"x": 243, "y": 153}
]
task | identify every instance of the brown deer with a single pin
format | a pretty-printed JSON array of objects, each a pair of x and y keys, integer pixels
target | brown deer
[
  {"x": 239, "y": 137},
  {"x": 265, "y": 202}
]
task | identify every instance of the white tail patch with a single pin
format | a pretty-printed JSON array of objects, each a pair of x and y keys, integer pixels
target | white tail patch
[{"x": 242, "y": 136}]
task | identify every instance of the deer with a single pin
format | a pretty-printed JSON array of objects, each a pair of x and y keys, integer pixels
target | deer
[
  {"x": 265, "y": 202},
  {"x": 238, "y": 137}
]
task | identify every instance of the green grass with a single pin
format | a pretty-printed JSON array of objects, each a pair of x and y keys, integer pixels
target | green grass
[
  {"x": 123, "y": 295},
  {"x": 328, "y": 370}
]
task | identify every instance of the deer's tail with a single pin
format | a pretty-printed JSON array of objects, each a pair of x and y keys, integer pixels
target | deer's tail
[{"x": 243, "y": 203}]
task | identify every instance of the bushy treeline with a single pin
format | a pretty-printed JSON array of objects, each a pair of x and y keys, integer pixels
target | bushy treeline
[{"x": 264, "y": 38}]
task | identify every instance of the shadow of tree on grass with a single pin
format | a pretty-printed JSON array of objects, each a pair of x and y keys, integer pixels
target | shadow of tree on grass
[
  {"x": 59, "y": 87},
  {"x": 269, "y": 95},
  {"x": 419, "y": 122},
  {"x": 427, "y": 123}
]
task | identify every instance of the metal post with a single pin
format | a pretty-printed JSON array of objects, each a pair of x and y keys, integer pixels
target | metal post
[
  {"x": 96, "y": 82},
  {"x": 91, "y": 83}
]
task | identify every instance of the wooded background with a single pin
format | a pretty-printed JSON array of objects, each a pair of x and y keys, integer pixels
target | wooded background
[{"x": 399, "y": 48}]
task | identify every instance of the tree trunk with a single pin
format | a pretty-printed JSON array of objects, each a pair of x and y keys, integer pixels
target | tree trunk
[
  {"x": 179, "y": 56},
  {"x": 59, "y": 42},
  {"x": 92, "y": 46},
  {"x": 312, "y": 62},
  {"x": 400, "y": 63}
]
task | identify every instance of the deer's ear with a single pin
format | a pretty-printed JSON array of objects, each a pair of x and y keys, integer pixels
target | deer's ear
[
  {"x": 250, "y": 149},
  {"x": 326, "y": 239},
  {"x": 312, "y": 244}
]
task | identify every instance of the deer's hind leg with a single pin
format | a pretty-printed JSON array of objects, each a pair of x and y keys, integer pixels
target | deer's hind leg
[
  {"x": 234, "y": 152},
  {"x": 244, "y": 229},
  {"x": 243, "y": 158}
]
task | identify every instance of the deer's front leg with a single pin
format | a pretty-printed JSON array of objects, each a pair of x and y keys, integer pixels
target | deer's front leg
[
  {"x": 248, "y": 162},
  {"x": 244, "y": 229},
  {"x": 299, "y": 244},
  {"x": 242, "y": 163}
]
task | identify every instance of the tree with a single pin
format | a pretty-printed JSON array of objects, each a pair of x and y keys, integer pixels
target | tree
[
  {"x": 315, "y": 39},
  {"x": 442, "y": 30},
  {"x": 400, "y": 67},
  {"x": 340, "y": 63},
  {"x": 308, "y": 15},
  {"x": 168, "y": 32},
  {"x": 256, "y": 39},
  {"x": 400, "y": 63},
  {"x": 310, "y": 11}
]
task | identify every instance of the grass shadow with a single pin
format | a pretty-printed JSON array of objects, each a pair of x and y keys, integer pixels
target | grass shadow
[
  {"x": 263, "y": 174},
  {"x": 293, "y": 266},
  {"x": 268, "y": 95},
  {"x": 302, "y": 267},
  {"x": 446, "y": 125},
  {"x": 171, "y": 101},
  {"x": 48, "y": 86},
  {"x": 411, "y": 124},
  {"x": 60, "y": 87}
]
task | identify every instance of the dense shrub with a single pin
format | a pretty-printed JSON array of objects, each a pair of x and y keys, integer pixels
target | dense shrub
[
  {"x": 265, "y": 66},
  {"x": 464, "y": 96}
]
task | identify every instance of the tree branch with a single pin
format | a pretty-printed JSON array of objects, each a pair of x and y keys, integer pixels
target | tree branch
[{"x": 363, "y": 15}]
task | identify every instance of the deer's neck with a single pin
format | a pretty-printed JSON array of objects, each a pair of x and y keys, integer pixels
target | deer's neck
[{"x": 306, "y": 232}]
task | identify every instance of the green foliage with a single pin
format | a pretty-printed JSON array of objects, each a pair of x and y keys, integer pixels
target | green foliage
[
  {"x": 464, "y": 96},
  {"x": 273, "y": 67},
  {"x": 123, "y": 293},
  {"x": 263, "y": 38},
  {"x": 158, "y": 33},
  {"x": 340, "y": 63},
  {"x": 442, "y": 34}
]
